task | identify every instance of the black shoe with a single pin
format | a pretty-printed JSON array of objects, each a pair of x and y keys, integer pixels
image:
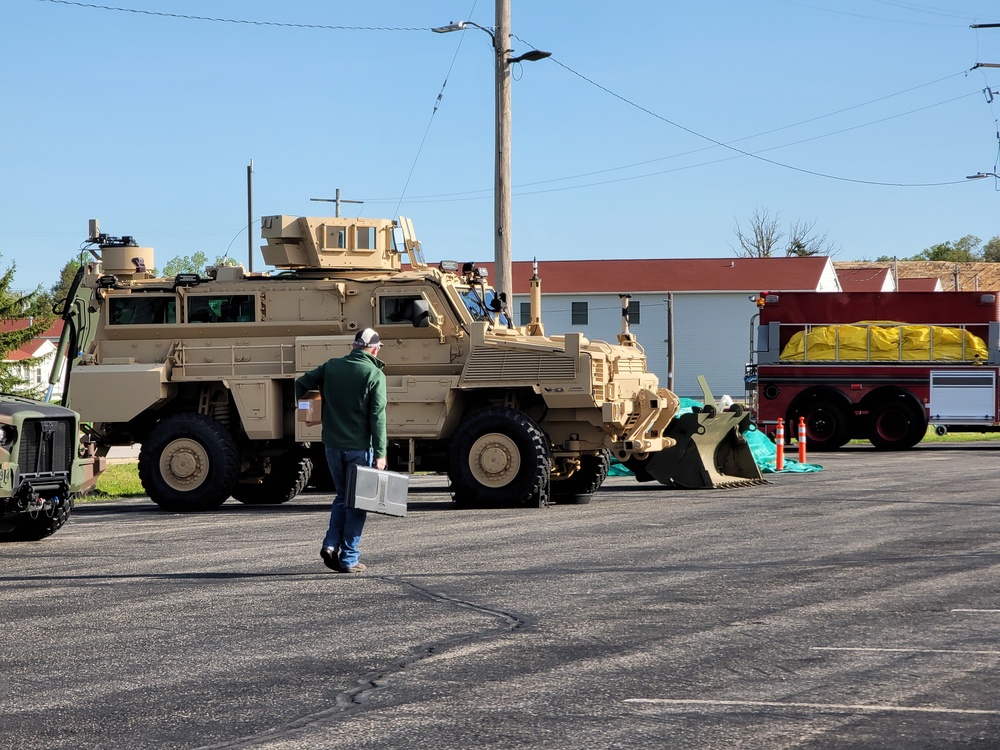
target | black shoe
[{"x": 329, "y": 555}]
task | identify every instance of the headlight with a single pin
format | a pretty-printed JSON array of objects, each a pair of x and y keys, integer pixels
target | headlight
[{"x": 8, "y": 435}]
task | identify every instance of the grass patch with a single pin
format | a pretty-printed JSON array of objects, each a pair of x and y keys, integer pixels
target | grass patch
[
  {"x": 959, "y": 437},
  {"x": 951, "y": 437},
  {"x": 118, "y": 480}
]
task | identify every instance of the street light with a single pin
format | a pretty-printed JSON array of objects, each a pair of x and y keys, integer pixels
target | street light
[
  {"x": 501, "y": 188},
  {"x": 981, "y": 175}
]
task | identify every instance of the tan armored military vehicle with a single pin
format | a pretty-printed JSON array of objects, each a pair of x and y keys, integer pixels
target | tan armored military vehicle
[{"x": 199, "y": 370}]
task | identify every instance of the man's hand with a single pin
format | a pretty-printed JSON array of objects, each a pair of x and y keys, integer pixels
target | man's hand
[{"x": 381, "y": 464}]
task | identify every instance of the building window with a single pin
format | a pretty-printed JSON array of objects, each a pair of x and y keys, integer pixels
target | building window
[
  {"x": 633, "y": 313},
  {"x": 579, "y": 314},
  {"x": 525, "y": 313}
]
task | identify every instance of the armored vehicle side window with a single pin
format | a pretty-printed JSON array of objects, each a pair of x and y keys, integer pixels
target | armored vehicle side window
[
  {"x": 366, "y": 238},
  {"x": 394, "y": 310},
  {"x": 142, "y": 310},
  {"x": 222, "y": 308},
  {"x": 476, "y": 306}
]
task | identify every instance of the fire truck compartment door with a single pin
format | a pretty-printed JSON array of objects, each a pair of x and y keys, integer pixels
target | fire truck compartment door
[{"x": 965, "y": 397}]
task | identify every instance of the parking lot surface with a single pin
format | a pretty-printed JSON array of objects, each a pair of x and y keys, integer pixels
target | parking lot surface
[{"x": 857, "y": 607}]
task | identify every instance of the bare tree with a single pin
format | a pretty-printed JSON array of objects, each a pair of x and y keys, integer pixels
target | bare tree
[
  {"x": 804, "y": 242},
  {"x": 761, "y": 237}
]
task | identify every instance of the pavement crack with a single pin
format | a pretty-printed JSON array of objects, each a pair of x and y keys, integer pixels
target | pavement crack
[{"x": 357, "y": 698}]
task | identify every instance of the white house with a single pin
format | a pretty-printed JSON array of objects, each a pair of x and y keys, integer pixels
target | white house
[
  {"x": 36, "y": 356},
  {"x": 712, "y": 310}
]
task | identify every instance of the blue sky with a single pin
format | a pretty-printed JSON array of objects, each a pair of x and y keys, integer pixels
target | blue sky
[{"x": 148, "y": 122}]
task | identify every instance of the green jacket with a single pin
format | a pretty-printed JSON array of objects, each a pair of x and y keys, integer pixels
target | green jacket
[{"x": 353, "y": 391}]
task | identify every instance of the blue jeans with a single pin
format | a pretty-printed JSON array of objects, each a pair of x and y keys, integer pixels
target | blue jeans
[{"x": 346, "y": 524}]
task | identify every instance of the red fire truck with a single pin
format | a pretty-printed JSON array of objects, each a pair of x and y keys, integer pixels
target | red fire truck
[{"x": 880, "y": 366}]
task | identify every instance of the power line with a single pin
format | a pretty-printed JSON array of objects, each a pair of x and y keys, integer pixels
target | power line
[
  {"x": 695, "y": 133},
  {"x": 459, "y": 196},
  {"x": 282, "y": 24},
  {"x": 877, "y": 18}
]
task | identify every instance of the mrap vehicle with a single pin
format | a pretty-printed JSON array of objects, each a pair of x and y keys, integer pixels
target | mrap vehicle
[
  {"x": 200, "y": 369},
  {"x": 880, "y": 366}
]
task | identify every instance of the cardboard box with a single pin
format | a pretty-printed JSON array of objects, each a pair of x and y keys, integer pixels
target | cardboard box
[
  {"x": 310, "y": 407},
  {"x": 377, "y": 491}
]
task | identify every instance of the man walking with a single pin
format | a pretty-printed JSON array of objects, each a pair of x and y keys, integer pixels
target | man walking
[{"x": 353, "y": 395}]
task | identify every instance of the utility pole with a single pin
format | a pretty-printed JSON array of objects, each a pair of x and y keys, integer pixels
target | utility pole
[
  {"x": 500, "y": 36},
  {"x": 337, "y": 200},
  {"x": 502, "y": 212},
  {"x": 250, "y": 216}
]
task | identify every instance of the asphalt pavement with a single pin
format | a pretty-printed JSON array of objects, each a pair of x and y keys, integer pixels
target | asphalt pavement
[{"x": 857, "y": 607}]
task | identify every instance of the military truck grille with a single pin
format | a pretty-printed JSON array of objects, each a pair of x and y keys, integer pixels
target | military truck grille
[
  {"x": 488, "y": 365},
  {"x": 629, "y": 366},
  {"x": 600, "y": 379},
  {"x": 45, "y": 446}
]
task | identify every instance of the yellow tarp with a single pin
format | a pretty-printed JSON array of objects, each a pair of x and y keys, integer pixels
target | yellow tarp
[{"x": 880, "y": 341}]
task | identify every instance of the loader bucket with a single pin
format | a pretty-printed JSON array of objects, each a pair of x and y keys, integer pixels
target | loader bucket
[{"x": 711, "y": 452}]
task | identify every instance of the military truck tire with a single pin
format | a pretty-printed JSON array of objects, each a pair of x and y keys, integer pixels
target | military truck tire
[
  {"x": 579, "y": 489},
  {"x": 500, "y": 457},
  {"x": 188, "y": 463},
  {"x": 288, "y": 478},
  {"x": 25, "y": 527}
]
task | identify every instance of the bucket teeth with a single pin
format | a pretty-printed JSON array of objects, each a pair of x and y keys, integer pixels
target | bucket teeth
[{"x": 711, "y": 453}]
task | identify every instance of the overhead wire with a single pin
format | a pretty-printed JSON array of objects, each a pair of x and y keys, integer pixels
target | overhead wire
[
  {"x": 247, "y": 22},
  {"x": 715, "y": 142},
  {"x": 437, "y": 103},
  {"x": 458, "y": 195}
]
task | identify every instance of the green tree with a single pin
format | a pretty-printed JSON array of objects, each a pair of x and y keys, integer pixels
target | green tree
[
  {"x": 60, "y": 289},
  {"x": 991, "y": 250},
  {"x": 963, "y": 250},
  {"x": 186, "y": 264},
  {"x": 195, "y": 263},
  {"x": 15, "y": 307}
]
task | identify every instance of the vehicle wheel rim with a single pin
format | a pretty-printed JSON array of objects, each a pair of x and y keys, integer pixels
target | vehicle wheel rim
[
  {"x": 184, "y": 464},
  {"x": 891, "y": 425},
  {"x": 820, "y": 426},
  {"x": 494, "y": 460}
]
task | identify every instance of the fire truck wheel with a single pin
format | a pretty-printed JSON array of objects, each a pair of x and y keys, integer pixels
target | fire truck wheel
[
  {"x": 188, "y": 463},
  {"x": 288, "y": 477},
  {"x": 827, "y": 427},
  {"x": 580, "y": 487},
  {"x": 895, "y": 425},
  {"x": 499, "y": 457}
]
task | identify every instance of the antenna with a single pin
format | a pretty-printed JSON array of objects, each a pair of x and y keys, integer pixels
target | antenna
[{"x": 338, "y": 200}]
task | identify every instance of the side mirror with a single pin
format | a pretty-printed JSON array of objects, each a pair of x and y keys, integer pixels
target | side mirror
[{"x": 421, "y": 316}]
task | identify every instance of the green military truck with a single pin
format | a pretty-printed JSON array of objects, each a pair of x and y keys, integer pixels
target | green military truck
[{"x": 41, "y": 468}]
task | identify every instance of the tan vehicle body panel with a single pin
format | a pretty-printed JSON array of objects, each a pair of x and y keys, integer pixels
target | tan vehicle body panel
[{"x": 229, "y": 344}]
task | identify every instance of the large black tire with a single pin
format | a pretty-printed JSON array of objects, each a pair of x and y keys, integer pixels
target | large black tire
[
  {"x": 288, "y": 477},
  {"x": 188, "y": 463},
  {"x": 27, "y": 527},
  {"x": 828, "y": 425},
  {"x": 896, "y": 425},
  {"x": 580, "y": 487},
  {"x": 500, "y": 457}
]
